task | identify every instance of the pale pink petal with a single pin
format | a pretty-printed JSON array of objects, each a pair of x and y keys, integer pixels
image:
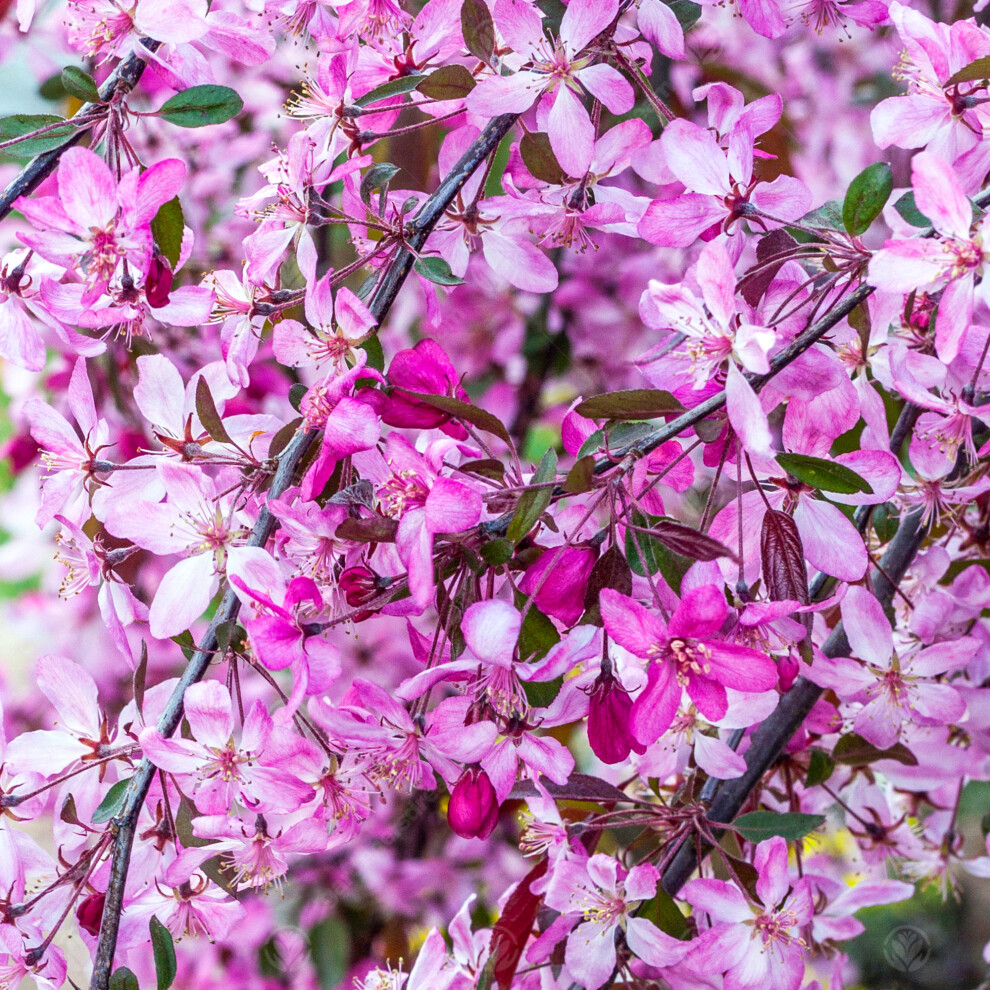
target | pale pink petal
[
  {"x": 571, "y": 133},
  {"x": 659, "y": 24},
  {"x": 937, "y": 193},
  {"x": 583, "y": 20},
  {"x": 491, "y": 629},
  {"x": 182, "y": 596}
]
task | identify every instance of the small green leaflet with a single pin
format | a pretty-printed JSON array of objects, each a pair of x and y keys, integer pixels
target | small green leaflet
[
  {"x": 166, "y": 228},
  {"x": 908, "y": 209},
  {"x": 200, "y": 106},
  {"x": 975, "y": 71},
  {"x": 464, "y": 411},
  {"x": 80, "y": 84},
  {"x": 534, "y": 501},
  {"x": 22, "y": 124},
  {"x": 854, "y": 751},
  {"x": 123, "y": 979},
  {"x": 112, "y": 803},
  {"x": 760, "y": 825},
  {"x": 164, "y": 952},
  {"x": 866, "y": 197},
  {"x": 449, "y": 82},
  {"x": 826, "y": 476},
  {"x": 436, "y": 270},
  {"x": 395, "y": 87}
]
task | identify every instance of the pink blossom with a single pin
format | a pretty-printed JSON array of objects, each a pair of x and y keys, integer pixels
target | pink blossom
[
  {"x": 754, "y": 944},
  {"x": 604, "y": 898},
  {"x": 561, "y": 71},
  {"x": 683, "y": 653}
]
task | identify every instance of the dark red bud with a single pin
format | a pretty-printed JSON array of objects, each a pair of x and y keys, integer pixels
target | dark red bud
[
  {"x": 473, "y": 809},
  {"x": 608, "y": 721},
  {"x": 360, "y": 586},
  {"x": 90, "y": 912},
  {"x": 158, "y": 284}
]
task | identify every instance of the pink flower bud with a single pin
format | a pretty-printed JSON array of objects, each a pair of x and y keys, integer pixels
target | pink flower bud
[
  {"x": 608, "y": 721},
  {"x": 473, "y": 809},
  {"x": 89, "y": 913},
  {"x": 788, "y": 667},
  {"x": 158, "y": 284}
]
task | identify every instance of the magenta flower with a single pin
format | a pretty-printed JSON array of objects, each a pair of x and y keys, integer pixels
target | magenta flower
[
  {"x": 683, "y": 653},
  {"x": 424, "y": 368},
  {"x": 947, "y": 120},
  {"x": 894, "y": 690},
  {"x": 96, "y": 223},
  {"x": 954, "y": 259},
  {"x": 560, "y": 70},
  {"x": 219, "y": 772},
  {"x": 473, "y": 809},
  {"x": 609, "y": 717},
  {"x": 602, "y": 898},
  {"x": 755, "y": 945},
  {"x": 719, "y": 186}
]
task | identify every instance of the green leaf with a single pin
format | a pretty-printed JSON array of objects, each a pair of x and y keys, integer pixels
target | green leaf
[
  {"x": 826, "y": 476},
  {"x": 593, "y": 443},
  {"x": 20, "y": 124},
  {"x": 687, "y": 13},
  {"x": 436, "y": 270},
  {"x": 980, "y": 69},
  {"x": 166, "y": 228},
  {"x": 297, "y": 392},
  {"x": 907, "y": 207},
  {"x": 854, "y": 751},
  {"x": 329, "y": 946},
  {"x": 377, "y": 177},
  {"x": 164, "y": 953},
  {"x": 80, "y": 84},
  {"x": 112, "y": 802},
  {"x": 885, "y": 518},
  {"x": 186, "y": 643},
  {"x": 820, "y": 768},
  {"x": 376, "y": 355},
  {"x": 533, "y": 502},
  {"x": 449, "y": 82},
  {"x": 497, "y": 552},
  {"x": 647, "y": 555},
  {"x": 200, "y": 106},
  {"x": 537, "y": 635},
  {"x": 580, "y": 477},
  {"x": 394, "y": 87},
  {"x": 542, "y": 694},
  {"x": 666, "y": 915},
  {"x": 828, "y": 215},
  {"x": 478, "y": 29},
  {"x": 463, "y": 411},
  {"x": 206, "y": 409},
  {"x": 539, "y": 158},
  {"x": 760, "y": 825},
  {"x": 866, "y": 197},
  {"x": 123, "y": 979},
  {"x": 634, "y": 403}
]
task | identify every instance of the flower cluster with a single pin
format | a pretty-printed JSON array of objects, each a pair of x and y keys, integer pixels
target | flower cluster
[{"x": 521, "y": 499}]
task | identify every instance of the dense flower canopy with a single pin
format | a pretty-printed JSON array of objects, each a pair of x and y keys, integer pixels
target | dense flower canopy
[{"x": 496, "y": 490}]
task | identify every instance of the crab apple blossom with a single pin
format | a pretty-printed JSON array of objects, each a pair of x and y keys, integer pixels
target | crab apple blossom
[{"x": 509, "y": 476}]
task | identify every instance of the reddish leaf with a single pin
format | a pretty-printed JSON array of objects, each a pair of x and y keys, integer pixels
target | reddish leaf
[
  {"x": 782, "y": 554},
  {"x": 579, "y": 787},
  {"x": 690, "y": 542},
  {"x": 771, "y": 254},
  {"x": 511, "y": 931},
  {"x": 611, "y": 570},
  {"x": 376, "y": 529}
]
